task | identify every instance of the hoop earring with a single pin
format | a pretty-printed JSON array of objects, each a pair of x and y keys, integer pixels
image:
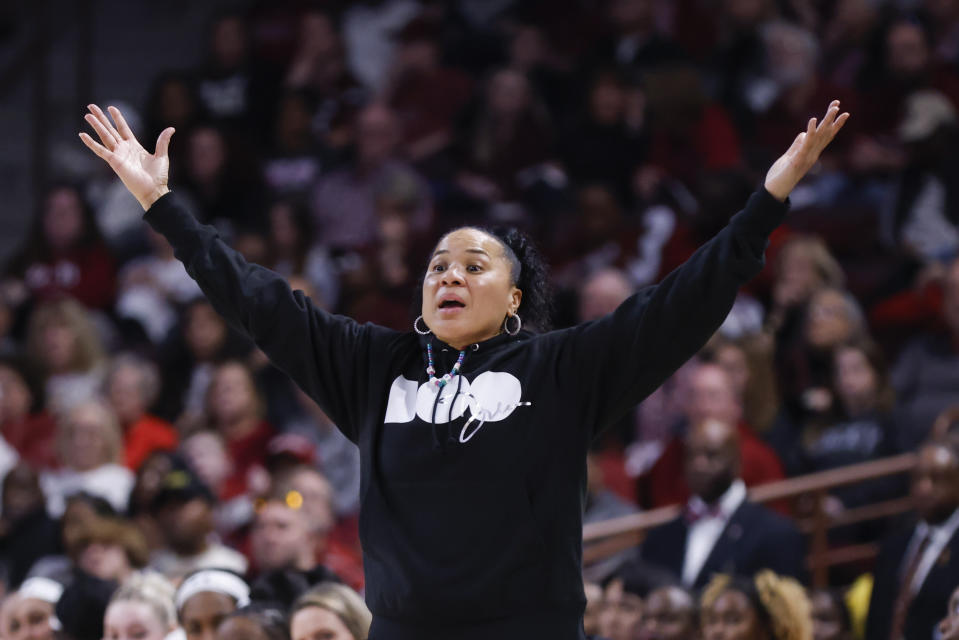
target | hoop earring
[
  {"x": 519, "y": 324},
  {"x": 416, "y": 326}
]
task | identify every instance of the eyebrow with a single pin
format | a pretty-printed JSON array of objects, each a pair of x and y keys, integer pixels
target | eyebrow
[{"x": 479, "y": 251}]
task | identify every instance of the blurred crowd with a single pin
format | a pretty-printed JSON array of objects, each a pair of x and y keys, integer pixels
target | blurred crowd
[{"x": 146, "y": 444}]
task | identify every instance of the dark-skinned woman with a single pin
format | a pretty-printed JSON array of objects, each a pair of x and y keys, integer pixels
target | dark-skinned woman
[{"x": 474, "y": 425}]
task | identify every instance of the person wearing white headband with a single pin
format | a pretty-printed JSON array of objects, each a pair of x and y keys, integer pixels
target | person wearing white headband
[
  {"x": 32, "y": 615},
  {"x": 206, "y": 597}
]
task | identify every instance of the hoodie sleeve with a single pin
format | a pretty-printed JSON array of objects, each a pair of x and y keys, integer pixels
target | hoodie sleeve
[
  {"x": 631, "y": 352},
  {"x": 328, "y": 356}
]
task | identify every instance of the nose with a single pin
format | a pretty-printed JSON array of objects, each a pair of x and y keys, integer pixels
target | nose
[{"x": 453, "y": 275}]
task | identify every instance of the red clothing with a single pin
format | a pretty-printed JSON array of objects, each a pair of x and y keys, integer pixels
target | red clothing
[
  {"x": 87, "y": 274},
  {"x": 35, "y": 439},
  {"x": 665, "y": 484},
  {"x": 146, "y": 435},
  {"x": 246, "y": 452}
]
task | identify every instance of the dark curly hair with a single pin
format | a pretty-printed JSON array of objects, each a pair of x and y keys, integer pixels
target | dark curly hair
[{"x": 529, "y": 273}]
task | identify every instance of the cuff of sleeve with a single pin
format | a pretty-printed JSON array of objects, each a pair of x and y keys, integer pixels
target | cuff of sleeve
[
  {"x": 762, "y": 213},
  {"x": 167, "y": 215}
]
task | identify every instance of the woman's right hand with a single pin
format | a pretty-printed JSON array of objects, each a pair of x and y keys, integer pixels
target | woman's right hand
[{"x": 144, "y": 174}]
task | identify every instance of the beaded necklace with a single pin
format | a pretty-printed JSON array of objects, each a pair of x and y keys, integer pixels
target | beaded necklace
[{"x": 431, "y": 370}]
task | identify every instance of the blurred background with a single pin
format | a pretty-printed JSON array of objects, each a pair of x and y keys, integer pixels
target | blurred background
[{"x": 335, "y": 141}]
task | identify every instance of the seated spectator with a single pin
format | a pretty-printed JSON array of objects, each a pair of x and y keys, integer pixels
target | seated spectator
[
  {"x": 82, "y": 511},
  {"x": 926, "y": 377},
  {"x": 832, "y": 317},
  {"x": 110, "y": 549},
  {"x": 917, "y": 567},
  {"x": 338, "y": 547},
  {"x": 748, "y": 361},
  {"x": 295, "y": 254},
  {"x": 132, "y": 385},
  {"x": 949, "y": 626},
  {"x": 920, "y": 223},
  {"x": 235, "y": 410},
  {"x": 343, "y": 203},
  {"x": 64, "y": 345},
  {"x": 89, "y": 444},
  {"x": 856, "y": 428},
  {"x": 189, "y": 360},
  {"x": 206, "y": 454},
  {"x": 221, "y": 182},
  {"x": 670, "y": 613},
  {"x": 153, "y": 287},
  {"x": 602, "y": 147},
  {"x": 338, "y": 457},
  {"x": 635, "y": 41},
  {"x": 765, "y": 606},
  {"x": 24, "y": 424},
  {"x": 295, "y": 160},
  {"x": 206, "y": 597},
  {"x": 172, "y": 101},
  {"x": 622, "y": 611},
  {"x": 183, "y": 508},
  {"x": 330, "y": 610},
  {"x": 831, "y": 619},
  {"x": 232, "y": 90},
  {"x": 711, "y": 395},
  {"x": 27, "y": 533},
  {"x": 311, "y": 551},
  {"x": 802, "y": 266},
  {"x": 64, "y": 255},
  {"x": 141, "y": 608},
  {"x": 691, "y": 134},
  {"x": 720, "y": 529},
  {"x": 33, "y": 614},
  {"x": 507, "y": 132},
  {"x": 282, "y": 538},
  {"x": 254, "y": 622},
  {"x": 319, "y": 67},
  {"x": 426, "y": 94}
]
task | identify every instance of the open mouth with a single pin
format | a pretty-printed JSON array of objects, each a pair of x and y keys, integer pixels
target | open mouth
[{"x": 451, "y": 304}]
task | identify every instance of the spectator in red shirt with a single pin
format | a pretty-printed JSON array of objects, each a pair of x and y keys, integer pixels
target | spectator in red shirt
[
  {"x": 711, "y": 395},
  {"x": 235, "y": 410},
  {"x": 132, "y": 386},
  {"x": 24, "y": 424},
  {"x": 65, "y": 255}
]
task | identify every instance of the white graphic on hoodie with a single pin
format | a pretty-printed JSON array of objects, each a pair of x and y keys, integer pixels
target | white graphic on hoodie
[{"x": 491, "y": 397}]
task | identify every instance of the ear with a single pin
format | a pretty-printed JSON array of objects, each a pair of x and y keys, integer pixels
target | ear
[{"x": 515, "y": 298}]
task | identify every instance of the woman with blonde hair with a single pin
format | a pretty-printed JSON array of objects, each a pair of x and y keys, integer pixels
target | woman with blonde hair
[
  {"x": 64, "y": 344},
  {"x": 89, "y": 443},
  {"x": 141, "y": 609},
  {"x": 766, "y": 607},
  {"x": 332, "y": 609}
]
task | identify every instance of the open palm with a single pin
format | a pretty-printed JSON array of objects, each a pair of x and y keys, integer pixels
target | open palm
[
  {"x": 804, "y": 152},
  {"x": 143, "y": 173}
]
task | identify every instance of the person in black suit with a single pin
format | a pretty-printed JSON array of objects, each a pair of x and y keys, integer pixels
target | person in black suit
[
  {"x": 918, "y": 567},
  {"x": 720, "y": 530}
]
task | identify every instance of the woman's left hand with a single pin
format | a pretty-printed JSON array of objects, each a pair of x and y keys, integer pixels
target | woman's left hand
[{"x": 790, "y": 168}]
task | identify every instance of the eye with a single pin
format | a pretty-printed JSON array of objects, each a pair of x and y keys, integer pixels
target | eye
[
  {"x": 474, "y": 268},
  {"x": 438, "y": 267}
]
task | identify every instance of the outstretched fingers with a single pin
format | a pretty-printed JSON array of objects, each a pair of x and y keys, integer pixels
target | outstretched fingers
[
  {"x": 108, "y": 140},
  {"x": 96, "y": 147},
  {"x": 125, "y": 132},
  {"x": 105, "y": 121}
]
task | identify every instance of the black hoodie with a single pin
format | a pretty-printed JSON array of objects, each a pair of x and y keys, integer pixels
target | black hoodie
[{"x": 471, "y": 518}]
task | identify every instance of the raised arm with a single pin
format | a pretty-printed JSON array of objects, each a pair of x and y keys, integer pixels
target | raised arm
[
  {"x": 630, "y": 352},
  {"x": 326, "y": 355}
]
